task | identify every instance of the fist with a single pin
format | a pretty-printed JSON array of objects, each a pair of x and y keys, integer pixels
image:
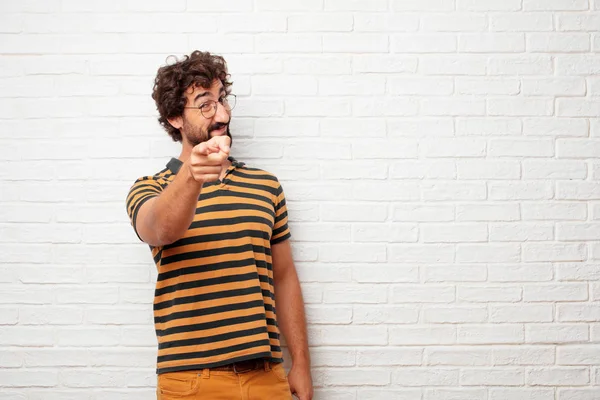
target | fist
[{"x": 209, "y": 158}]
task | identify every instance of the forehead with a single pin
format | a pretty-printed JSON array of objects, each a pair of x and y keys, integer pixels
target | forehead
[{"x": 195, "y": 90}]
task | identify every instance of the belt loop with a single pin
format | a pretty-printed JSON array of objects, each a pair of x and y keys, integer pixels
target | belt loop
[
  {"x": 267, "y": 365},
  {"x": 205, "y": 373}
]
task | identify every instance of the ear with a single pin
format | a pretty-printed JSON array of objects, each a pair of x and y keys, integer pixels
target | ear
[{"x": 176, "y": 122}]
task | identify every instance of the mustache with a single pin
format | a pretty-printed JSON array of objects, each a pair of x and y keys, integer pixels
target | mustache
[{"x": 217, "y": 126}]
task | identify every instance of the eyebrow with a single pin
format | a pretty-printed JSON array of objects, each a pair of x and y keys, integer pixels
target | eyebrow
[{"x": 207, "y": 93}]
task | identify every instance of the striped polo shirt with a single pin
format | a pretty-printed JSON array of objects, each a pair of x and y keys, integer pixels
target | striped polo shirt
[{"x": 214, "y": 301}]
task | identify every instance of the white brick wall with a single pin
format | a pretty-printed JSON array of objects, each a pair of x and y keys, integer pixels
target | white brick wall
[{"x": 440, "y": 160}]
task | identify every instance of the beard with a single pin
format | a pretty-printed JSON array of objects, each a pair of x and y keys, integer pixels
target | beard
[{"x": 196, "y": 135}]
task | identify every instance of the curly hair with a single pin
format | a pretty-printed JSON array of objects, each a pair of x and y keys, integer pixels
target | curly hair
[{"x": 172, "y": 80}]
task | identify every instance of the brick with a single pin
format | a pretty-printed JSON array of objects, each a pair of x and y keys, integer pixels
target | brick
[
  {"x": 496, "y": 293},
  {"x": 383, "y": 64},
  {"x": 521, "y": 22},
  {"x": 25, "y": 378},
  {"x": 558, "y": 376},
  {"x": 352, "y": 127},
  {"x": 454, "y": 273},
  {"x": 557, "y": 211},
  {"x": 347, "y": 335},
  {"x": 454, "y": 22},
  {"x": 380, "y": 274},
  {"x": 455, "y": 314},
  {"x": 554, "y": 87},
  {"x": 520, "y": 394},
  {"x": 454, "y": 394},
  {"x": 558, "y": 42},
  {"x": 355, "y": 43},
  {"x": 425, "y": 377},
  {"x": 577, "y": 272},
  {"x": 492, "y": 43},
  {"x": 555, "y": 5},
  {"x": 578, "y": 22},
  {"x": 355, "y": 5},
  {"x": 491, "y": 253},
  {"x": 443, "y": 64},
  {"x": 453, "y": 191},
  {"x": 423, "y": 334},
  {"x": 523, "y": 355},
  {"x": 253, "y": 23},
  {"x": 578, "y": 108},
  {"x": 354, "y": 293},
  {"x": 358, "y": 377},
  {"x": 352, "y": 85},
  {"x": 570, "y": 127},
  {"x": 475, "y": 169},
  {"x": 389, "y": 357},
  {"x": 484, "y": 334},
  {"x": 393, "y": 233},
  {"x": 578, "y": 312},
  {"x": 487, "y": 86},
  {"x": 521, "y": 107},
  {"x": 520, "y": 273},
  {"x": 492, "y": 376},
  {"x": 521, "y": 313},
  {"x": 385, "y": 22},
  {"x": 554, "y": 252},
  {"x": 520, "y": 65},
  {"x": 577, "y": 191},
  {"x": 352, "y": 253},
  {"x": 424, "y": 253},
  {"x": 384, "y": 314},
  {"x": 422, "y": 294},
  {"x": 353, "y": 212},
  {"x": 520, "y": 190},
  {"x": 420, "y": 86},
  {"x": 453, "y": 233},
  {"x": 354, "y": 170},
  {"x": 423, "y": 170},
  {"x": 273, "y": 5},
  {"x": 423, "y": 43},
  {"x": 578, "y": 65},
  {"x": 286, "y": 43},
  {"x": 269, "y": 85},
  {"x": 457, "y": 355},
  {"x": 488, "y": 127},
  {"x": 488, "y": 5},
  {"x": 453, "y": 106},
  {"x": 578, "y": 355},
  {"x": 533, "y": 169},
  {"x": 420, "y": 212},
  {"x": 521, "y": 232},
  {"x": 426, "y": 5}
]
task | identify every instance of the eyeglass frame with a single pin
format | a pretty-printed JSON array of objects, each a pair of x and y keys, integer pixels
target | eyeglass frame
[{"x": 215, "y": 106}]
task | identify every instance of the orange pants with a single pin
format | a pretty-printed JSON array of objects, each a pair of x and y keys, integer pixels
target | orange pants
[{"x": 266, "y": 383}]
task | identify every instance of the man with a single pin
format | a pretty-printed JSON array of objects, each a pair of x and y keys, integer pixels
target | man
[{"x": 218, "y": 234}]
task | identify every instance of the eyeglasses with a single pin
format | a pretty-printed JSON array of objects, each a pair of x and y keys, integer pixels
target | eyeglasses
[{"x": 208, "y": 109}]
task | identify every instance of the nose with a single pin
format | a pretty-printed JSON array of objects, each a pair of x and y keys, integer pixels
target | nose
[{"x": 222, "y": 114}]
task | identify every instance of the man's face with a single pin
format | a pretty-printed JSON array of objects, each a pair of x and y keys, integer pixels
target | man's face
[{"x": 196, "y": 127}]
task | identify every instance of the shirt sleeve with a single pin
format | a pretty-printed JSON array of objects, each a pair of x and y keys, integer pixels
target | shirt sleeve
[
  {"x": 281, "y": 231},
  {"x": 143, "y": 189}
]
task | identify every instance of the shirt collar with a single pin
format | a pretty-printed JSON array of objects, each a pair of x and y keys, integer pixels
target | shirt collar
[{"x": 175, "y": 164}]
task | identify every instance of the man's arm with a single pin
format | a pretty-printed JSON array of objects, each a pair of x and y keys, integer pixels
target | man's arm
[
  {"x": 291, "y": 318},
  {"x": 164, "y": 219}
]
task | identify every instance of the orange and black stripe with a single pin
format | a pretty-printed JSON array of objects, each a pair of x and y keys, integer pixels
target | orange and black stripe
[{"x": 214, "y": 301}]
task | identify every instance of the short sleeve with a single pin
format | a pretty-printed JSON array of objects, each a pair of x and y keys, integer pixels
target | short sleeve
[
  {"x": 142, "y": 190},
  {"x": 281, "y": 231}
]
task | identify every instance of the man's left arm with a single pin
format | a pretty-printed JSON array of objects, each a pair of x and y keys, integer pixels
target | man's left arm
[{"x": 291, "y": 318}]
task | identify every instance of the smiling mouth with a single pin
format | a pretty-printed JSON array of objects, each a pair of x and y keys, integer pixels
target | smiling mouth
[{"x": 220, "y": 130}]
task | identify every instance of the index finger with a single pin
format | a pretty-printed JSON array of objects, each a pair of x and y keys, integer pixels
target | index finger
[{"x": 223, "y": 142}]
